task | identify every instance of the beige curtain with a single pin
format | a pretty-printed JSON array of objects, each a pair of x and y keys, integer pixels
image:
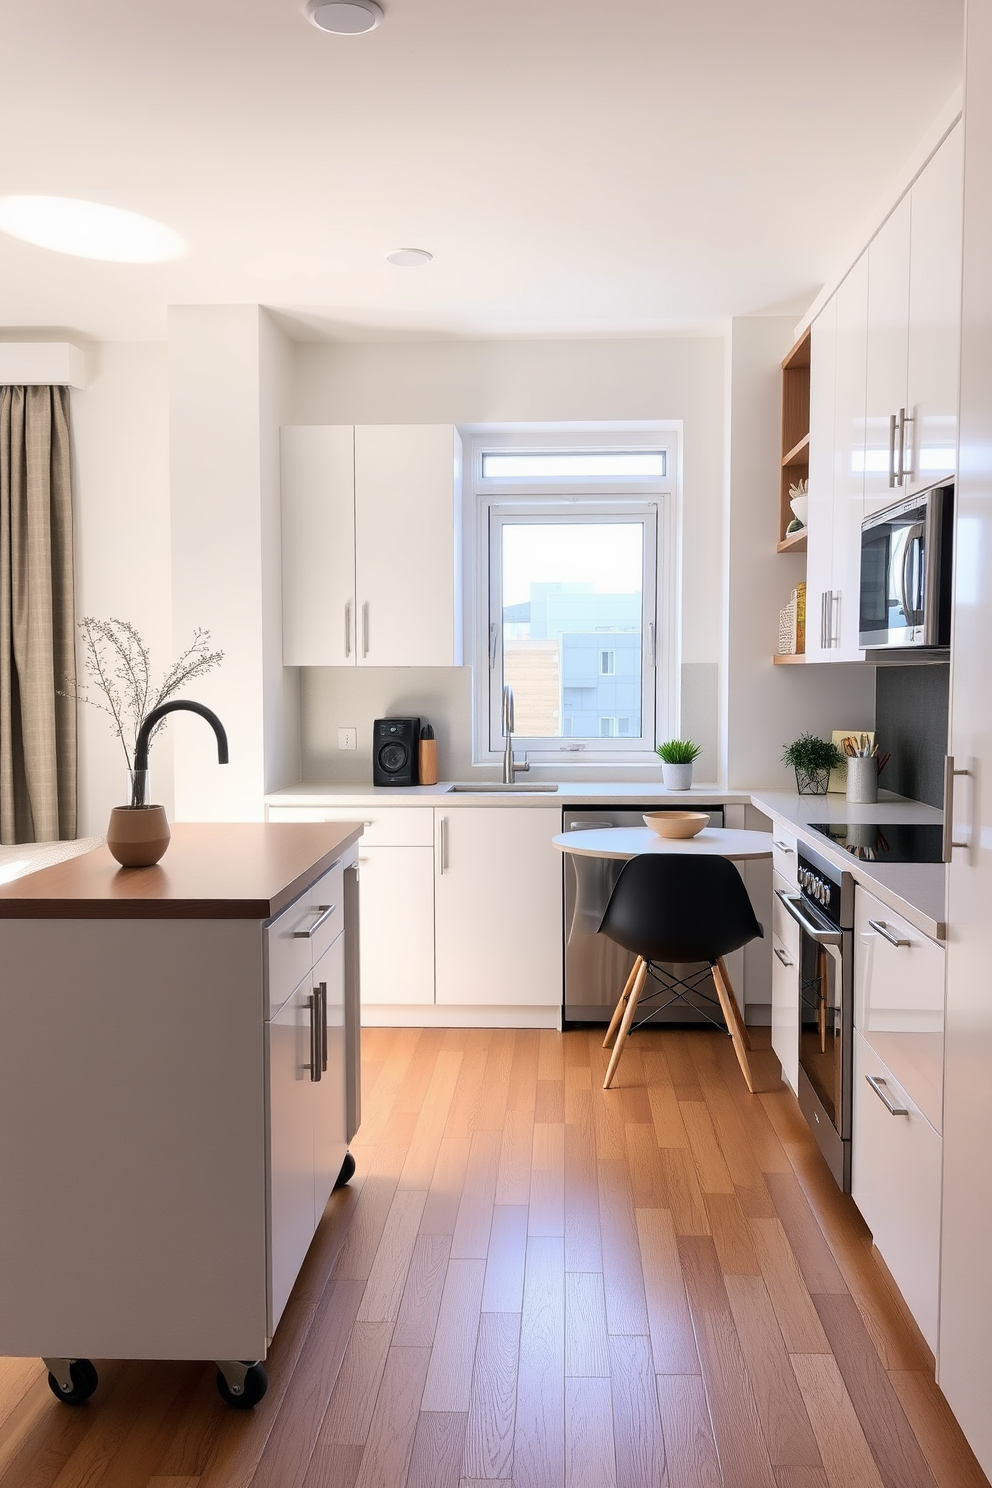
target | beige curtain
[{"x": 37, "y": 621}]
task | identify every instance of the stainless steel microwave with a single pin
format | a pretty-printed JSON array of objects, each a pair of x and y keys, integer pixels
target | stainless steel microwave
[{"x": 906, "y": 556}]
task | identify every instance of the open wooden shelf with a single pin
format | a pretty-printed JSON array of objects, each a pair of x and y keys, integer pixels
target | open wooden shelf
[
  {"x": 794, "y": 543},
  {"x": 795, "y": 434},
  {"x": 797, "y": 660}
]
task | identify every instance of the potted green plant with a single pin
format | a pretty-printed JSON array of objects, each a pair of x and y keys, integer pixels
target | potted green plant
[
  {"x": 677, "y": 756},
  {"x": 812, "y": 759}
]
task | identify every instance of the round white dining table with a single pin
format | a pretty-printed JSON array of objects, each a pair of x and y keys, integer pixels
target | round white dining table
[{"x": 631, "y": 842}]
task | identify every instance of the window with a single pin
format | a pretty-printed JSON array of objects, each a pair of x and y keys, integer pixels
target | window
[{"x": 575, "y": 569}]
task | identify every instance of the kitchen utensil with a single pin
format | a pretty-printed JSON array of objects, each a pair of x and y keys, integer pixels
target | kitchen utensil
[
  {"x": 427, "y": 756},
  {"x": 676, "y": 823}
]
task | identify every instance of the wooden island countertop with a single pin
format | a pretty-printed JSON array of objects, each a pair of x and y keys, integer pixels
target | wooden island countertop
[{"x": 212, "y": 871}]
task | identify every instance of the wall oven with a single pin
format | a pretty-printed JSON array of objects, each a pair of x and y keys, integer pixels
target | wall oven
[
  {"x": 824, "y": 911},
  {"x": 906, "y": 553}
]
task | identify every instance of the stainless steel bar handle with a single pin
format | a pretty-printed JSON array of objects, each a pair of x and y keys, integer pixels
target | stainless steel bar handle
[
  {"x": 821, "y": 937},
  {"x": 881, "y": 1090},
  {"x": 907, "y": 468},
  {"x": 347, "y": 629},
  {"x": 365, "y": 629},
  {"x": 882, "y": 929},
  {"x": 322, "y": 988},
  {"x": 782, "y": 846},
  {"x": 442, "y": 845},
  {"x": 324, "y": 912},
  {"x": 823, "y": 620},
  {"x": 892, "y": 449},
  {"x": 901, "y": 441},
  {"x": 785, "y": 960},
  {"x": 947, "y": 838},
  {"x": 314, "y": 1065}
]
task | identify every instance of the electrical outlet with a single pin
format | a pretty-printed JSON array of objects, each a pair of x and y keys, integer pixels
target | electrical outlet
[{"x": 347, "y": 738}]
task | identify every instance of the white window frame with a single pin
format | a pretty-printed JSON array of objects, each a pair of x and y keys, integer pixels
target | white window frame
[{"x": 657, "y": 500}]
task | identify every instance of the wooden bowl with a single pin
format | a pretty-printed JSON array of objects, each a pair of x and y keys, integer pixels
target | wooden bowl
[{"x": 676, "y": 823}]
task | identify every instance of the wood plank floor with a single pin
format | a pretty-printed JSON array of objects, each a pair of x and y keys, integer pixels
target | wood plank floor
[{"x": 533, "y": 1283}]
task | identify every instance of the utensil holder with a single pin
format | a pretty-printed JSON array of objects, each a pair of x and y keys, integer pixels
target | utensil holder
[{"x": 862, "y": 779}]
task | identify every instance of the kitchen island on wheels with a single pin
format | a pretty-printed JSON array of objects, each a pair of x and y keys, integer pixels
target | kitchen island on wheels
[{"x": 178, "y": 1088}]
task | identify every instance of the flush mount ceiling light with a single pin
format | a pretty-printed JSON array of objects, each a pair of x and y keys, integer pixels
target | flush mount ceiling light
[
  {"x": 344, "y": 17},
  {"x": 409, "y": 258},
  {"x": 88, "y": 229}
]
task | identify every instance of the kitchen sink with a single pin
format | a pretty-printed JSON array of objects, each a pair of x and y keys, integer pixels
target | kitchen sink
[{"x": 496, "y": 787}]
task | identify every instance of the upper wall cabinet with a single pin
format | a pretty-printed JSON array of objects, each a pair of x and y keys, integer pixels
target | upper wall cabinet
[
  {"x": 371, "y": 552},
  {"x": 914, "y": 313}
]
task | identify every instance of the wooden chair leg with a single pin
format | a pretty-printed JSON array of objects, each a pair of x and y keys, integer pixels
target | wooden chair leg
[
  {"x": 628, "y": 1018},
  {"x": 618, "y": 1011},
  {"x": 735, "y": 1023}
]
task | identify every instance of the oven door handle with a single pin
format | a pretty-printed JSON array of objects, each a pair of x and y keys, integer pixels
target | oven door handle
[{"x": 792, "y": 903}]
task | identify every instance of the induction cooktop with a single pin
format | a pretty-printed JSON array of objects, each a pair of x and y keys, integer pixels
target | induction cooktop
[{"x": 886, "y": 842}]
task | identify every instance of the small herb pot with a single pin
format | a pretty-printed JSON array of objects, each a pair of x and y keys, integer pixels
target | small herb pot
[
  {"x": 676, "y": 777},
  {"x": 813, "y": 782}
]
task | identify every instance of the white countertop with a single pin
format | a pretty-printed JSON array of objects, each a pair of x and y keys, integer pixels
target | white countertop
[{"x": 916, "y": 890}]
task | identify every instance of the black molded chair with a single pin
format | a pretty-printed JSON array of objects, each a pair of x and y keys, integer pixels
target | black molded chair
[{"x": 679, "y": 907}]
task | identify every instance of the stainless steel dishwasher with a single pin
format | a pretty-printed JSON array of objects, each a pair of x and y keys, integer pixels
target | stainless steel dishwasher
[{"x": 597, "y": 968}]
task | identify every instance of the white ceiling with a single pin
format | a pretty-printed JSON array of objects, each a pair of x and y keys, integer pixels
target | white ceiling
[{"x": 575, "y": 166}]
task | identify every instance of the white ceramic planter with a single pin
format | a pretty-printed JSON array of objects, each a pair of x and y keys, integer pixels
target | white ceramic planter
[{"x": 676, "y": 777}]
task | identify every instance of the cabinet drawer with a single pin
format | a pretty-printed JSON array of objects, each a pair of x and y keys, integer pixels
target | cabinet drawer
[
  {"x": 299, "y": 937},
  {"x": 899, "y": 1000},
  {"x": 385, "y": 826},
  {"x": 896, "y": 1171},
  {"x": 784, "y": 855}
]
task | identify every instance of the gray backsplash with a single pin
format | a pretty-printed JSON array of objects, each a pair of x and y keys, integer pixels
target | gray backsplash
[{"x": 911, "y": 721}]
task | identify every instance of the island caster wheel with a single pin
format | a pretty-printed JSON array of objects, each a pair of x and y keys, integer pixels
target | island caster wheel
[
  {"x": 72, "y": 1380},
  {"x": 241, "y": 1386},
  {"x": 347, "y": 1171}
]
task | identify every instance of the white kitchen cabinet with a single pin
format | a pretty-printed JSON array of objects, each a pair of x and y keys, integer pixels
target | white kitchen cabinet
[
  {"x": 785, "y": 983},
  {"x": 888, "y": 356},
  {"x": 964, "y": 1356},
  {"x": 899, "y": 999},
  {"x": 843, "y": 604},
  {"x": 895, "y": 1182},
  {"x": 498, "y": 906},
  {"x": 317, "y": 477},
  {"x": 914, "y": 318},
  {"x": 397, "y": 919},
  {"x": 371, "y": 545},
  {"x": 820, "y": 513},
  {"x": 935, "y": 315}
]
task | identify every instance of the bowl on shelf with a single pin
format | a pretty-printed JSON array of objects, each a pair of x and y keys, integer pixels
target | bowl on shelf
[
  {"x": 676, "y": 823},
  {"x": 800, "y": 507}
]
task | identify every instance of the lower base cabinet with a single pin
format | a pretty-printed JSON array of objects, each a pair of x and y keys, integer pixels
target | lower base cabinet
[
  {"x": 785, "y": 984},
  {"x": 896, "y": 1174},
  {"x": 397, "y": 925}
]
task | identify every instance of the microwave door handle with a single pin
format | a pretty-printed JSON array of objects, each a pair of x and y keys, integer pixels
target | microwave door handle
[{"x": 914, "y": 539}]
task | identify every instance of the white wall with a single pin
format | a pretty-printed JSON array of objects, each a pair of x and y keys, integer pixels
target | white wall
[
  {"x": 766, "y": 706},
  {"x": 121, "y": 520},
  {"x": 228, "y": 368},
  {"x": 464, "y": 382}
]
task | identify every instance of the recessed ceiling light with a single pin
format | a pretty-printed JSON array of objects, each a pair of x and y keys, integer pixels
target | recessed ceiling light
[
  {"x": 344, "y": 17},
  {"x": 88, "y": 229},
  {"x": 409, "y": 258}
]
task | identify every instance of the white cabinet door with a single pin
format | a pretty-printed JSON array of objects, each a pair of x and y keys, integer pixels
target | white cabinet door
[
  {"x": 498, "y": 906},
  {"x": 895, "y": 1182},
  {"x": 899, "y": 1000},
  {"x": 290, "y": 1165},
  {"x": 785, "y": 984},
  {"x": 396, "y": 909},
  {"x": 318, "y": 545},
  {"x": 849, "y": 462},
  {"x": 819, "y": 541},
  {"x": 408, "y": 559},
  {"x": 329, "y": 1108},
  {"x": 935, "y": 314},
  {"x": 888, "y": 355}
]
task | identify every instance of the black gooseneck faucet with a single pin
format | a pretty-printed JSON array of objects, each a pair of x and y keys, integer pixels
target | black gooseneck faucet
[{"x": 155, "y": 716}]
